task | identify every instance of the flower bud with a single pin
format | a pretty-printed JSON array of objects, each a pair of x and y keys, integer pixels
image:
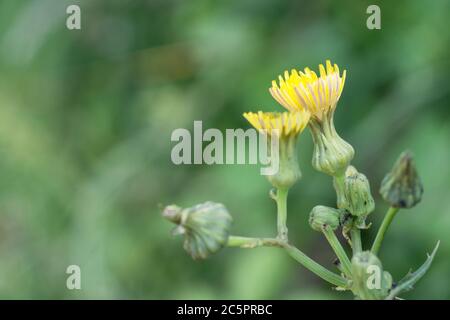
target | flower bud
[
  {"x": 402, "y": 187},
  {"x": 370, "y": 281},
  {"x": 358, "y": 198},
  {"x": 322, "y": 216},
  {"x": 331, "y": 154},
  {"x": 205, "y": 227}
]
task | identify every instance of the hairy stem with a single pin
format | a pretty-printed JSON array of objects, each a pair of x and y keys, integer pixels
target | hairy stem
[{"x": 383, "y": 228}]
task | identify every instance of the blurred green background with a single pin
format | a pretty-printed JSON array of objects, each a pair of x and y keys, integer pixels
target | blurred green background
[{"x": 86, "y": 118}]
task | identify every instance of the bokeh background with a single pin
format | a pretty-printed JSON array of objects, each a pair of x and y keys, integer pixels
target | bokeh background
[{"x": 86, "y": 118}]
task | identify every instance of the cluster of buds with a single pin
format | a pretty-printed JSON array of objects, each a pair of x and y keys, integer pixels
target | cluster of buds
[{"x": 311, "y": 100}]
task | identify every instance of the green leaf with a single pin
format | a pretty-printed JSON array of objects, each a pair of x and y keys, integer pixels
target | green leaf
[{"x": 410, "y": 279}]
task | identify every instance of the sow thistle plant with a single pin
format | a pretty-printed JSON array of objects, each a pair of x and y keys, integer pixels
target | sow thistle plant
[{"x": 311, "y": 100}]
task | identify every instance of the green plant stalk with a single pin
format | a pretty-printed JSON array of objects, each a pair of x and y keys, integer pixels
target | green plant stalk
[
  {"x": 355, "y": 235},
  {"x": 339, "y": 250},
  {"x": 250, "y": 243},
  {"x": 383, "y": 228},
  {"x": 338, "y": 184},
  {"x": 282, "y": 214},
  {"x": 299, "y": 256},
  {"x": 316, "y": 268}
]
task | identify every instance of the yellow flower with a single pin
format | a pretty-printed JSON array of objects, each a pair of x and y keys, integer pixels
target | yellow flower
[
  {"x": 284, "y": 129},
  {"x": 299, "y": 91},
  {"x": 286, "y": 123}
]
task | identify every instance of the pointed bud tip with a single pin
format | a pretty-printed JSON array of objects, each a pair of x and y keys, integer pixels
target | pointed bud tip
[{"x": 402, "y": 187}]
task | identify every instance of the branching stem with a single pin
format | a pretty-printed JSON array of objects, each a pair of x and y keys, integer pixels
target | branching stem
[{"x": 299, "y": 256}]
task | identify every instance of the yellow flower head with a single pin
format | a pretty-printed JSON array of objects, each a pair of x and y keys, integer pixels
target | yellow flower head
[
  {"x": 300, "y": 91},
  {"x": 287, "y": 123}
]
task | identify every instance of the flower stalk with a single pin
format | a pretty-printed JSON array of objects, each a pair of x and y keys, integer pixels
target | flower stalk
[
  {"x": 355, "y": 236},
  {"x": 282, "y": 214},
  {"x": 250, "y": 243},
  {"x": 316, "y": 268},
  {"x": 339, "y": 250},
  {"x": 295, "y": 253},
  {"x": 390, "y": 214}
]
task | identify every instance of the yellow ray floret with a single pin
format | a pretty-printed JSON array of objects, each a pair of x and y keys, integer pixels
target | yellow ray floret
[
  {"x": 306, "y": 90},
  {"x": 286, "y": 123}
]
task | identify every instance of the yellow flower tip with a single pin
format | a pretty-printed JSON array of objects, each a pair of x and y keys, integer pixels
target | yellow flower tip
[
  {"x": 300, "y": 91},
  {"x": 283, "y": 124}
]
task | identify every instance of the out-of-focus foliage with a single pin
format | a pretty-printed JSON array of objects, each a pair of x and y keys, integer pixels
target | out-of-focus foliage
[{"x": 86, "y": 118}]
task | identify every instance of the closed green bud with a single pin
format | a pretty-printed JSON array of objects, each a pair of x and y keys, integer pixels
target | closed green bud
[
  {"x": 321, "y": 217},
  {"x": 331, "y": 154},
  {"x": 370, "y": 281},
  {"x": 358, "y": 198},
  {"x": 205, "y": 227},
  {"x": 402, "y": 187}
]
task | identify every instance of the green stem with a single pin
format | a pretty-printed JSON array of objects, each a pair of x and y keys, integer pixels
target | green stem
[
  {"x": 299, "y": 256},
  {"x": 339, "y": 185},
  {"x": 383, "y": 228},
  {"x": 355, "y": 235},
  {"x": 339, "y": 250},
  {"x": 316, "y": 268},
  {"x": 282, "y": 214}
]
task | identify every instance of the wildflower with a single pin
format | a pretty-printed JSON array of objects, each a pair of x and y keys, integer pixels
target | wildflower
[
  {"x": 305, "y": 90},
  {"x": 284, "y": 124},
  {"x": 205, "y": 227},
  {"x": 284, "y": 128},
  {"x": 402, "y": 187},
  {"x": 300, "y": 91}
]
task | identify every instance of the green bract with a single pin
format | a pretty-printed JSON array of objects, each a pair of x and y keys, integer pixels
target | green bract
[
  {"x": 289, "y": 171},
  {"x": 331, "y": 154}
]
